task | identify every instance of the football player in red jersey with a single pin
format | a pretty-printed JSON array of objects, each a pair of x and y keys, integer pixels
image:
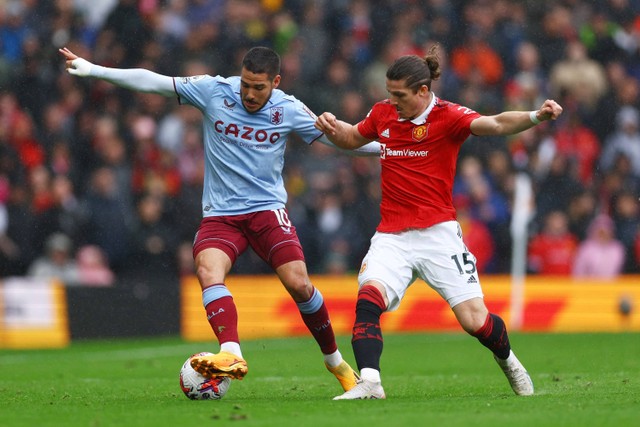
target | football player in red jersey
[{"x": 420, "y": 137}]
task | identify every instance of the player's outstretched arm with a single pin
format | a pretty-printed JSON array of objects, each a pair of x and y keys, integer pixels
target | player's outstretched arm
[
  {"x": 371, "y": 149},
  {"x": 511, "y": 122},
  {"x": 137, "y": 79},
  {"x": 341, "y": 133}
]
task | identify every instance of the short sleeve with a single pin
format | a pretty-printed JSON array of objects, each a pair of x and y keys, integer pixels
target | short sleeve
[
  {"x": 367, "y": 127},
  {"x": 304, "y": 122},
  {"x": 195, "y": 90}
]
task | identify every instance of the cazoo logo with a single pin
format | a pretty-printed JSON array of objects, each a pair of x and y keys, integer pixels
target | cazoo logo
[
  {"x": 245, "y": 132},
  {"x": 406, "y": 152}
]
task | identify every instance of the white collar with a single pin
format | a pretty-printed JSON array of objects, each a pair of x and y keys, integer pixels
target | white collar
[{"x": 422, "y": 118}]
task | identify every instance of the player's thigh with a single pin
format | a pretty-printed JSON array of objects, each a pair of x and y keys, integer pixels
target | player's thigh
[
  {"x": 387, "y": 263},
  {"x": 223, "y": 233},
  {"x": 274, "y": 238},
  {"x": 445, "y": 263}
]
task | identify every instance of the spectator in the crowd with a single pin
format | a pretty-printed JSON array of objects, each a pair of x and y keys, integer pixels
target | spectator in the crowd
[
  {"x": 58, "y": 261},
  {"x": 526, "y": 88},
  {"x": 624, "y": 141},
  {"x": 552, "y": 250},
  {"x": 581, "y": 211},
  {"x": 315, "y": 41},
  {"x": 578, "y": 76},
  {"x": 597, "y": 36},
  {"x": 626, "y": 215},
  {"x": 477, "y": 61},
  {"x": 624, "y": 91},
  {"x": 557, "y": 187},
  {"x": 339, "y": 80},
  {"x": 554, "y": 32},
  {"x": 67, "y": 214},
  {"x": 93, "y": 269},
  {"x": 109, "y": 217},
  {"x": 18, "y": 245},
  {"x": 579, "y": 144},
  {"x": 153, "y": 242},
  {"x": 600, "y": 255}
]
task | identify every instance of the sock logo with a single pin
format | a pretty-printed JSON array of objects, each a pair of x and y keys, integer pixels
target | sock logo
[
  {"x": 366, "y": 330},
  {"x": 215, "y": 313},
  {"x": 323, "y": 326}
]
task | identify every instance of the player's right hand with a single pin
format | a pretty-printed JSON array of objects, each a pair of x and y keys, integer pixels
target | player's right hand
[
  {"x": 326, "y": 123},
  {"x": 76, "y": 65}
]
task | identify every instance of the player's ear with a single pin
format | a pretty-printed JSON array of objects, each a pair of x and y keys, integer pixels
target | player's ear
[{"x": 276, "y": 81}]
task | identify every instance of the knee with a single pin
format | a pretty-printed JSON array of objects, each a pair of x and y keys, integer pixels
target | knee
[
  {"x": 474, "y": 322},
  {"x": 295, "y": 279},
  {"x": 203, "y": 273},
  {"x": 207, "y": 275},
  {"x": 471, "y": 315},
  {"x": 212, "y": 266},
  {"x": 300, "y": 288}
]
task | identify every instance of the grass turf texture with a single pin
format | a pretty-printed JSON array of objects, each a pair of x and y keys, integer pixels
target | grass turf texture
[{"x": 430, "y": 380}]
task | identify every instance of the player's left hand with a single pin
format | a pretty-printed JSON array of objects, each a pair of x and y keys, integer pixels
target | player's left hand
[
  {"x": 76, "y": 65},
  {"x": 550, "y": 110}
]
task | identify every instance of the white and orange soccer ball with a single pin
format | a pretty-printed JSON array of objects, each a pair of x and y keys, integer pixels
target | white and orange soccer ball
[{"x": 197, "y": 387}]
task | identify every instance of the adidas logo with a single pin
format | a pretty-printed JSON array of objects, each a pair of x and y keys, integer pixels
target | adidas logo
[
  {"x": 472, "y": 279},
  {"x": 385, "y": 133}
]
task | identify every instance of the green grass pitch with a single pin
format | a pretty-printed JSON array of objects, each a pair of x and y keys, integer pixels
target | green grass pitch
[{"x": 429, "y": 379}]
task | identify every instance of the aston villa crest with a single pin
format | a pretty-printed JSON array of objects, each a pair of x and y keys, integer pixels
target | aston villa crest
[{"x": 277, "y": 115}]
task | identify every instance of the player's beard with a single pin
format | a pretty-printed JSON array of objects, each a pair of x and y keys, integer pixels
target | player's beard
[
  {"x": 255, "y": 107},
  {"x": 251, "y": 107}
]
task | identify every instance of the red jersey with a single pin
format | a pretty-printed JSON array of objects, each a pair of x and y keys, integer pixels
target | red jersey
[
  {"x": 418, "y": 162},
  {"x": 552, "y": 255}
]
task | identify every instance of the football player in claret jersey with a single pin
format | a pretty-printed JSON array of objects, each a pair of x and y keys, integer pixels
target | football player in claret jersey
[
  {"x": 246, "y": 121},
  {"x": 418, "y": 235}
]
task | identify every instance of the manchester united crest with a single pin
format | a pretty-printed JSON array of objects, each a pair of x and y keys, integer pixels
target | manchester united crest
[
  {"x": 277, "y": 115},
  {"x": 363, "y": 267},
  {"x": 420, "y": 132}
]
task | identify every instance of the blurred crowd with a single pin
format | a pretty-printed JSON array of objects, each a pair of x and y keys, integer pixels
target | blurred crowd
[{"x": 98, "y": 182}]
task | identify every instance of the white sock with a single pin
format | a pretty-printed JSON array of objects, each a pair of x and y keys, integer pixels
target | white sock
[
  {"x": 231, "y": 347},
  {"x": 370, "y": 374},
  {"x": 333, "y": 359},
  {"x": 508, "y": 361}
]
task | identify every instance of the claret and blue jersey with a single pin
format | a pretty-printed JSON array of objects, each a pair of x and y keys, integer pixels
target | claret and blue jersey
[{"x": 244, "y": 152}]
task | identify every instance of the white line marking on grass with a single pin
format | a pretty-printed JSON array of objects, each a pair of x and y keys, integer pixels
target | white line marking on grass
[{"x": 120, "y": 354}]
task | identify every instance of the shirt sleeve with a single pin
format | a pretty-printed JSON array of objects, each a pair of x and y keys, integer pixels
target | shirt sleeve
[
  {"x": 304, "y": 122},
  {"x": 367, "y": 127},
  {"x": 460, "y": 118},
  {"x": 195, "y": 90}
]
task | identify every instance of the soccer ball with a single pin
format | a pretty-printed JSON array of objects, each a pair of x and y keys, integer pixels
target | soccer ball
[{"x": 197, "y": 387}]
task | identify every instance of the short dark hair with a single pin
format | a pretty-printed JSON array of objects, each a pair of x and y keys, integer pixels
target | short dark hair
[
  {"x": 262, "y": 60},
  {"x": 416, "y": 71}
]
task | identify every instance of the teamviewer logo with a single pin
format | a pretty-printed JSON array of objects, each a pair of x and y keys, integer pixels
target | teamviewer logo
[{"x": 383, "y": 151}]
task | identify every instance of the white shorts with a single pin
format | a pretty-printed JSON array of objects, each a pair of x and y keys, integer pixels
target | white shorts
[{"x": 436, "y": 254}]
